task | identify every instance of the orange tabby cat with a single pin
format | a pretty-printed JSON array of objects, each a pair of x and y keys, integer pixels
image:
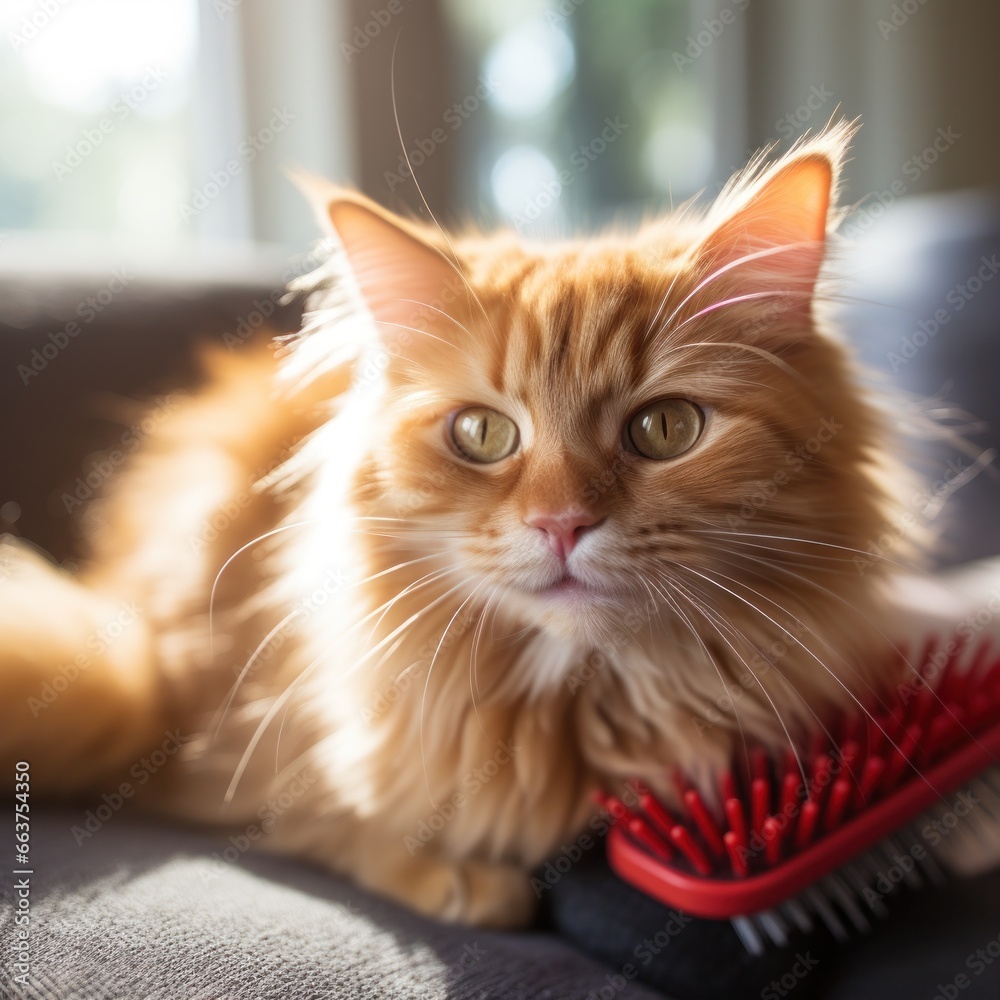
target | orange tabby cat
[{"x": 549, "y": 510}]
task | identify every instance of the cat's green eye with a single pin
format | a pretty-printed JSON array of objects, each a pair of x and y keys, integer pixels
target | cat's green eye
[
  {"x": 483, "y": 435},
  {"x": 665, "y": 429}
]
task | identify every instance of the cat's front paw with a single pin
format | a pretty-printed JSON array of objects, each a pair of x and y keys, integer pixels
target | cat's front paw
[
  {"x": 467, "y": 892},
  {"x": 493, "y": 896}
]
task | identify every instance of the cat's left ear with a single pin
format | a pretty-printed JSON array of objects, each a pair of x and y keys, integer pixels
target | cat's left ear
[
  {"x": 773, "y": 231},
  {"x": 407, "y": 280}
]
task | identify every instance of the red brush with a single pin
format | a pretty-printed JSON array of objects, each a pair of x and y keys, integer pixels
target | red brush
[{"x": 879, "y": 808}]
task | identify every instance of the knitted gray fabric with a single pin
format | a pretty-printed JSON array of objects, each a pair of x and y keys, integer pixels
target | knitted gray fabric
[{"x": 142, "y": 912}]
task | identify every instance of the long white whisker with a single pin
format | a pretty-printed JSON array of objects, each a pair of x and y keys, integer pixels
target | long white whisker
[
  {"x": 673, "y": 584},
  {"x": 281, "y": 699},
  {"x": 427, "y": 681},
  {"x": 223, "y": 711},
  {"x": 832, "y": 673},
  {"x": 721, "y": 623},
  {"x": 225, "y": 565},
  {"x": 451, "y": 263},
  {"x": 719, "y": 272}
]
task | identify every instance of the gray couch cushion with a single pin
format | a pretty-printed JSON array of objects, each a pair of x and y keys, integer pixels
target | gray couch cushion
[{"x": 142, "y": 912}]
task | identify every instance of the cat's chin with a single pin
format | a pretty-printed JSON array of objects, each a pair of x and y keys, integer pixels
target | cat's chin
[{"x": 572, "y": 609}]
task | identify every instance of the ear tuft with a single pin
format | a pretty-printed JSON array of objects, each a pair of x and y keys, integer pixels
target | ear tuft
[{"x": 780, "y": 213}]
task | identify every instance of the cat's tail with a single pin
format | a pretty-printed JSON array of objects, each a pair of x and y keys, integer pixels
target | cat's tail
[{"x": 78, "y": 690}]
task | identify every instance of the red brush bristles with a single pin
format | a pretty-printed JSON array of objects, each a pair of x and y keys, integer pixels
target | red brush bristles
[{"x": 832, "y": 824}]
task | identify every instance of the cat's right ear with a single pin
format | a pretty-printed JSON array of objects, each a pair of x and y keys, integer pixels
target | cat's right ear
[{"x": 407, "y": 280}]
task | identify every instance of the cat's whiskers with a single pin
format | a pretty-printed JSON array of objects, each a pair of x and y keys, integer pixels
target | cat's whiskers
[
  {"x": 663, "y": 303},
  {"x": 383, "y": 609},
  {"x": 833, "y": 674},
  {"x": 653, "y": 605},
  {"x": 473, "y": 658},
  {"x": 797, "y": 640},
  {"x": 423, "y": 333},
  {"x": 797, "y": 621},
  {"x": 427, "y": 681},
  {"x": 776, "y": 565},
  {"x": 222, "y": 712},
  {"x": 666, "y": 581},
  {"x": 451, "y": 261},
  {"x": 394, "y": 569},
  {"x": 736, "y": 300},
  {"x": 725, "y": 269},
  {"x": 228, "y": 562},
  {"x": 913, "y": 668},
  {"x": 387, "y": 655},
  {"x": 799, "y": 539},
  {"x": 834, "y": 743},
  {"x": 828, "y": 564},
  {"x": 384, "y": 658},
  {"x": 282, "y": 699},
  {"x": 392, "y": 648},
  {"x": 768, "y": 356},
  {"x": 718, "y": 622},
  {"x": 451, "y": 319}
]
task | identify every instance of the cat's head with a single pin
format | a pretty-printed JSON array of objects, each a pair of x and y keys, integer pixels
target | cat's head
[{"x": 625, "y": 434}]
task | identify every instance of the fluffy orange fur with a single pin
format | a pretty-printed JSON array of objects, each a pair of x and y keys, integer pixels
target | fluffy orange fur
[{"x": 366, "y": 635}]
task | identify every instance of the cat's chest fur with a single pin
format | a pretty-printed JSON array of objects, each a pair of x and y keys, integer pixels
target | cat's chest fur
[{"x": 454, "y": 730}]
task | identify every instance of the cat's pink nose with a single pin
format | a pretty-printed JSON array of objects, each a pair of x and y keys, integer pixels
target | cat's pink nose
[{"x": 563, "y": 531}]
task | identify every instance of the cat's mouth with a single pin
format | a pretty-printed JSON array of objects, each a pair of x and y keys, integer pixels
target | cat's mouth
[{"x": 566, "y": 586}]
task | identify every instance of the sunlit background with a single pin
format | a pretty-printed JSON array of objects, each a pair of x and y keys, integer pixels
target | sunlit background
[
  {"x": 159, "y": 136},
  {"x": 172, "y": 120}
]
